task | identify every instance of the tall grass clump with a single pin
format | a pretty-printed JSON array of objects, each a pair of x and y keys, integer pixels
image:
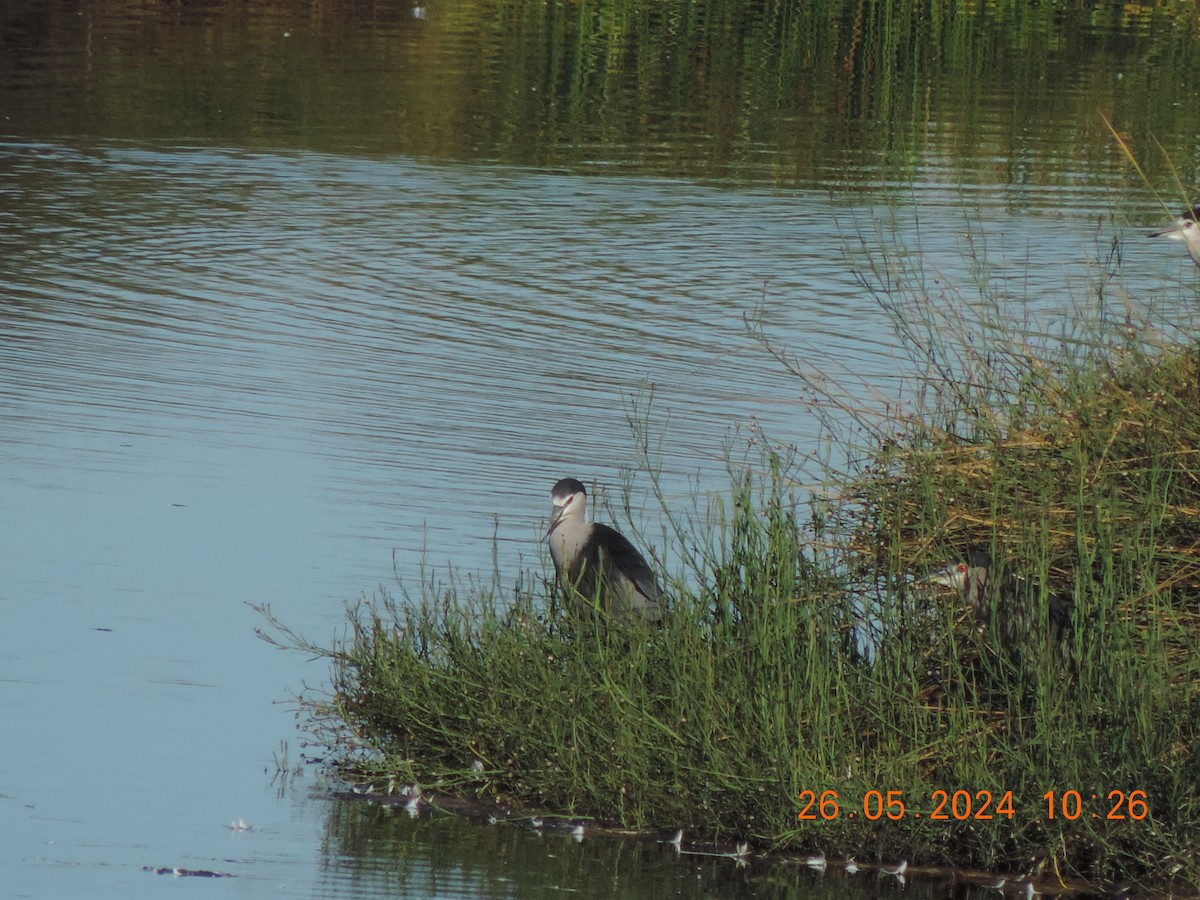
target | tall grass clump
[{"x": 804, "y": 653}]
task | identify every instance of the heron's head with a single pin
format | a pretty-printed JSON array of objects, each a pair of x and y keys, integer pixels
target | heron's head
[
  {"x": 969, "y": 576},
  {"x": 954, "y": 575},
  {"x": 569, "y": 498},
  {"x": 1187, "y": 229}
]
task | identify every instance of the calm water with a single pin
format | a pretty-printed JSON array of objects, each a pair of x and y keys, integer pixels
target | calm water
[{"x": 266, "y": 357}]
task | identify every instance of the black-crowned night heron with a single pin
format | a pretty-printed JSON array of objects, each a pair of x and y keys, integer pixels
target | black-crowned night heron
[
  {"x": 1015, "y": 598},
  {"x": 596, "y": 561},
  {"x": 1187, "y": 229}
]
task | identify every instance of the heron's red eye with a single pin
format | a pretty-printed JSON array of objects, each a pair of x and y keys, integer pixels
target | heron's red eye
[{"x": 962, "y": 568}]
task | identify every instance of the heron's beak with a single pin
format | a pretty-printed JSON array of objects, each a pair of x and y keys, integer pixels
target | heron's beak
[
  {"x": 1175, "y": 232},
  {"x": 559, "y": 512},
  {"x": 948, "y": 576}
]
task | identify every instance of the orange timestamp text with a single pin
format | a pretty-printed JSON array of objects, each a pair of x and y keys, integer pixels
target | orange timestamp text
[{"x": 963, "y": 805}]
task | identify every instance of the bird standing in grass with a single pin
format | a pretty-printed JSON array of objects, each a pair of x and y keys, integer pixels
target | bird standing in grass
[
  {"x": 597, "y": 562},
  {"x": 1015, "y": 599}
]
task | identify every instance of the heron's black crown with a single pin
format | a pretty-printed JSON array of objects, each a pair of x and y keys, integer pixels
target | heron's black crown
[{"x": 566, "y": 487}]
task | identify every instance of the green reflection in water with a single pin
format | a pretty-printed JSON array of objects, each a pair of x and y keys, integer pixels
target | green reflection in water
[
  {"x": 369, "y": 851},
  {"x": 789, "y": 92}
]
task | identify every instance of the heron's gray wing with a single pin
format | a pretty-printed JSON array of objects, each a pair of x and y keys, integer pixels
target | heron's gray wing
[
  {"x": 979, "y": 559},
  {"x": 619, "y": 558},
  {"x": 1061, "y": 611}
]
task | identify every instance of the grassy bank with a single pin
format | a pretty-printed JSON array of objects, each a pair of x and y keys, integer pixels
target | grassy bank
[{"x": 804, "y": 654}]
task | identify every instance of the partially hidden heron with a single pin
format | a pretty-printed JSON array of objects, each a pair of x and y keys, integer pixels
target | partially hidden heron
[
  {"x": 1187, "y": 229},
  {"x": 1016, "y": 599},
  {"x": 596, "y": 561}
]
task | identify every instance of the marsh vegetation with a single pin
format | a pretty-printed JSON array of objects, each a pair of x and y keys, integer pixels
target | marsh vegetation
[{"x": 804, "y": 653}]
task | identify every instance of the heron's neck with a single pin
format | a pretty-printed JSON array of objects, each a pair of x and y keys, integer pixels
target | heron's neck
[
  {"x": 976, "y": 585},
  {"x": 567, "y": 535}
]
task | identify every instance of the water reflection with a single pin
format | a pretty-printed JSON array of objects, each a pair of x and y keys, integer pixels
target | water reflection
[
  {"x": 833, "y": 91},
  {"x": 373, "y": 851}
]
